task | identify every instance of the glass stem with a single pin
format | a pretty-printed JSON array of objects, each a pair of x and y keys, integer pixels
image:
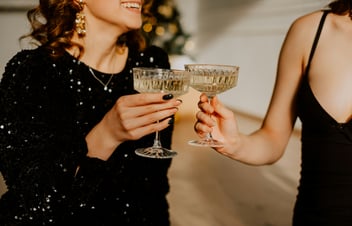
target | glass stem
[
  {"x": 157, "y": 143},
  {"x": 209, "y": 137}
]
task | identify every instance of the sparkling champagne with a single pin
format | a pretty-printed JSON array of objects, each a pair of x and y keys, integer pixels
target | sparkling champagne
[
  {"x": 175, "y": 86},
  {"x": 212, "y": 85},
  {"x": 154, "y": 80},
  {"x": 211, "y": 79}
]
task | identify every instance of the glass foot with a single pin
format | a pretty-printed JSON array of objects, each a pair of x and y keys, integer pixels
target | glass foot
[
  {"x": 206, "y": 143},
  {"x": 157, "y": 153}
]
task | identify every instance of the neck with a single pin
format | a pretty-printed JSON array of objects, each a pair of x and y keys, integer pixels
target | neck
[{"x": 101, "y": 54}]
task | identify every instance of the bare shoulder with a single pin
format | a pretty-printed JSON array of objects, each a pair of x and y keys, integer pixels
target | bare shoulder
[
  {"x": 301, "y": 33},
  {"x": 307, "y": 24}
]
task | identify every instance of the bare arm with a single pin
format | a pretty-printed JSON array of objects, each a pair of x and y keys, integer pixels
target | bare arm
[{"x": 267, "y": 144}]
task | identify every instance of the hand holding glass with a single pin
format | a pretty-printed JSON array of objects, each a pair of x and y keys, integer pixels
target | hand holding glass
[
  {"x": 152, "y": 80},
  {"x": 211, "y": 79}
]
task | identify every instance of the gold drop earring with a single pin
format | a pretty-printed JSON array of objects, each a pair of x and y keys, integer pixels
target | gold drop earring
[{"x": 80, "y": 21}]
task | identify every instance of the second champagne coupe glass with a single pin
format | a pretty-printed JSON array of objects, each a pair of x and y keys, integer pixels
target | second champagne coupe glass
[
  {"x": 153, "y": 80},
  {"x": 211, "y": 79}
]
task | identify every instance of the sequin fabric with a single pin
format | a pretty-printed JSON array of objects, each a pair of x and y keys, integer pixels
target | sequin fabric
[{"x": 47, "y": 108}]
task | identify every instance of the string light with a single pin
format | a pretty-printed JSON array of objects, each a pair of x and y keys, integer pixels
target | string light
[{"x": 164, "y": 28}]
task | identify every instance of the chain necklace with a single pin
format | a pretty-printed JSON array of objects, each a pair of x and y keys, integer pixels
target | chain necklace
[{"x": 101, "y": 82}]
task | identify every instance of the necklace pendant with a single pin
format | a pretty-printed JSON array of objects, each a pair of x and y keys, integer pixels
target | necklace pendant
[{"x": 100, "y": 81}]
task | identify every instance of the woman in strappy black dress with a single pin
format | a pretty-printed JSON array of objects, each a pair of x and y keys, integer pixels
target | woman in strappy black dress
[
  {"x": 314, "y": 83},
  {"x": 70, "y": 120}
]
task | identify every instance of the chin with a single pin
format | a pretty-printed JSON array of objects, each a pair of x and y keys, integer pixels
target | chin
[{"x": 134, "y": 26}]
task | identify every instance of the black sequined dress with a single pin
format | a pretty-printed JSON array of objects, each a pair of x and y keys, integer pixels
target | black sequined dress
[
  {"x": 47, "y": 108},
  {"x": 325, "y": 190}
]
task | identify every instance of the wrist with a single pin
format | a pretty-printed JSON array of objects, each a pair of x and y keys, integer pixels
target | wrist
[{"x": 101, "y": 144}]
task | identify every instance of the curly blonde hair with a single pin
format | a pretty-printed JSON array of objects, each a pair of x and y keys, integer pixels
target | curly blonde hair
[{"x": 53, "y": 25}]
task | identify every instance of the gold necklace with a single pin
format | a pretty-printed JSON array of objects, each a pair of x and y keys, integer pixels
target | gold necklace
[{"x": 101, "y": 82}]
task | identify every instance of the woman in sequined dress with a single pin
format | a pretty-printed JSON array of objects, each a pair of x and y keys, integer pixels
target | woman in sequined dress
[
  {"x": 70, "y": 120},
  {"x": 314, "y": 81}
]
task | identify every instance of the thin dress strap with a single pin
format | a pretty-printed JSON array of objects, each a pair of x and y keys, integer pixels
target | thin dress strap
[{"x": 316, "y": 39}]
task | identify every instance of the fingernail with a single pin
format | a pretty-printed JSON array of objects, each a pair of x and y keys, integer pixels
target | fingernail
[
  {"x": 171, "y": 121},
  {"x": 168, "y": 96},
  {"x": 180, "y": 100}
]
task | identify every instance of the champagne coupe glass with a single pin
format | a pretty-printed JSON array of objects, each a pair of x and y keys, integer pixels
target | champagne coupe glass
[
  {"x": 211, "y": 79},
  {"x": 153, "y": 80}
]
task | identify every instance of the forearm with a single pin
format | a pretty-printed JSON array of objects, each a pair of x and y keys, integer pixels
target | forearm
[
  {"x": 100, "y": 143},
  {"x": 258, "y": 148}
]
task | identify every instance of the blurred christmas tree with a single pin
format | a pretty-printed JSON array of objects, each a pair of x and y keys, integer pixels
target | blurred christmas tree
[{"x": 164, "y": 29}]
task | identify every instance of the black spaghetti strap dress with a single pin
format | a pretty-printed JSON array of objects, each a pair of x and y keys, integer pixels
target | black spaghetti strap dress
[{"x": 325, "y": 189}]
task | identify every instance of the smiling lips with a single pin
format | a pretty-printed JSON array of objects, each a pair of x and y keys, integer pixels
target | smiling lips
[{"x": 131, "y": 5}]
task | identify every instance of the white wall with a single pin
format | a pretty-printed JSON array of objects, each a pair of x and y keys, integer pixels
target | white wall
[
  {"x": 12, "y": 26},
  {"x": 248, "y": 33}
]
